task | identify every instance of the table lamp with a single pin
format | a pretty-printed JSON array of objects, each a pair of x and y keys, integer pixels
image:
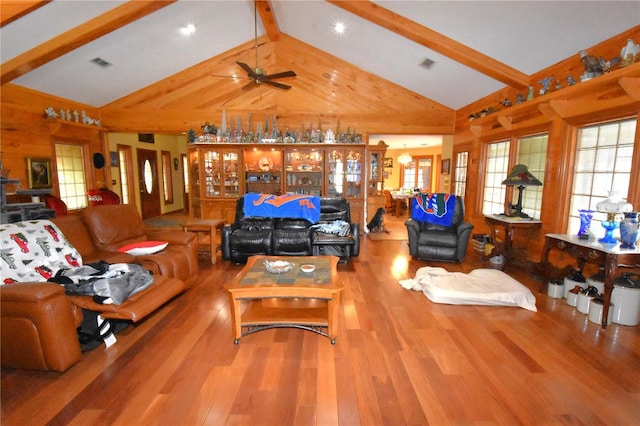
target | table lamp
[
  {"x": 612, "y": 206},
  {"x": 520, "y": 177}
]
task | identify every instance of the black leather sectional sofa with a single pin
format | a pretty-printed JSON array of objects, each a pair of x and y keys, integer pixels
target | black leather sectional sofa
[{"x": 249, "y": 236}]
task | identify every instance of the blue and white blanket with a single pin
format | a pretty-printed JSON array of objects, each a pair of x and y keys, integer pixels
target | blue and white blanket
[
  {"x": 433, "y": 208},
  {"x": 292, "y": 206}
]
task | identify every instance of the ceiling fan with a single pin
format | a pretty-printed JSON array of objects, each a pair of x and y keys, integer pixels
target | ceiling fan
[{"x": 258, "y": 75}]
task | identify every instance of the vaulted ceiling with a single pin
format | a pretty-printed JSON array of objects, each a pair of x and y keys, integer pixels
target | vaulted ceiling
[{"x": 476, "y": 47}]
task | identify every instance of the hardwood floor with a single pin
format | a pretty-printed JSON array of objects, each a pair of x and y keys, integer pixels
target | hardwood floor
[{"x": 399, "y": 359}]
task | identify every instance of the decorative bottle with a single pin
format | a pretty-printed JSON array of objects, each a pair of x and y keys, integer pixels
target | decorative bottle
[{"x": 629, "y": 231}]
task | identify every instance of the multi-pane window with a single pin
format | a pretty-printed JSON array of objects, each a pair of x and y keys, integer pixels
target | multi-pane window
[
  {"x": 124, "y": 156},
  {"x": 603, "y": 164},
  {"x": 460, "y": 182},
  {"x": 532, "y": 152},
  {"x": 496, "y": 170},
  {"x": 167, "y": 181},
  {"x": 71, "y": 177},
  {"x": 417, "y": 173}
]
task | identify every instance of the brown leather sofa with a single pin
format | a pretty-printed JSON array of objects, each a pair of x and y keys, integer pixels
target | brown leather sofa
[{"x": 38, "y": 321}]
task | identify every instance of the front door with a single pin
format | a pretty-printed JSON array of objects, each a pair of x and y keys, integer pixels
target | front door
[{"x": 148, "y": 183}]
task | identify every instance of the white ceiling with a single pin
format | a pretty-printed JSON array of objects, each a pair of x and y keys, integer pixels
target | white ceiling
[{"x": 525, "y": 35}]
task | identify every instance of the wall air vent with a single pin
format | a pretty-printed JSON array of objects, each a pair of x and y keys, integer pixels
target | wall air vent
[
  {"x": 101, "y": 62},
  {"x": 427, "y": 63}
]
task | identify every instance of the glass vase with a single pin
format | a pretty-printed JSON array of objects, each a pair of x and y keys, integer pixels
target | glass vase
[
  {"x": 629, "y": 231},
  {"x": 585, "y": 223}
]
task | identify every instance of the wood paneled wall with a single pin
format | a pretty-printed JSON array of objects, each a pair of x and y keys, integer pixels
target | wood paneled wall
[
  {"x": 25, "y": 132},
  {"x": 608, "y": 97}
]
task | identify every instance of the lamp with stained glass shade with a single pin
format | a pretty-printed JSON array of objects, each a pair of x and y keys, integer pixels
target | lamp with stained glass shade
[
  {"x": 520, "y": 177},
  {"x": 613, "y": 207}
]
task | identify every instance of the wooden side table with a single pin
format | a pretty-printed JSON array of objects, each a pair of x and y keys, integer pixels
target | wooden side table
[
  {"x": 592, "y": 251},
  {"x": 207, "y": 226},
  {"x": 510, "y": 225}
]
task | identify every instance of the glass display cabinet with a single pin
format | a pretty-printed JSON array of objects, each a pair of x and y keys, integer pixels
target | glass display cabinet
[
  {"x": 220, "y": 169},
  {"x": 344, "y": 172},
  {"x": 303, "y": 171},
  {"x": 263, "y": 171}
]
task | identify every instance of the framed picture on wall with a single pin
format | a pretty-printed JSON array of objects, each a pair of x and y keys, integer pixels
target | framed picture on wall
[
  {"x": 446, "y": 166},
  {"x": 39, "y": 172},
  {"x": 388, "y": 162}
]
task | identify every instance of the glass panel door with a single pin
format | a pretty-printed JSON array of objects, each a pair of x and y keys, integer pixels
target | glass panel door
[
  {"x": 354, "y": 174},
  {"x": 211, "y": 173},
  {"x": 230, "y": 174},
  {"x": 303, "y": 171},
  {"x": 336, "y": 170}
]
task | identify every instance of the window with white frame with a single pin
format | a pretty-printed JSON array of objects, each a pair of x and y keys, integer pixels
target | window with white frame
[
  {"x": 496, "y": 170},
  {"x": 532, "y": 152},
  {"x": 604, "y": 154},
  {"x": 71, "y": 177},
  {"x": 417, "y": 173},
  {"x": 460, "y": 182},
  {"x": 124, "y": 157}
]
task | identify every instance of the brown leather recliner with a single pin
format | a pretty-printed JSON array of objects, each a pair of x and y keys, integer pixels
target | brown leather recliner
[{"x": 38, "y": 321}]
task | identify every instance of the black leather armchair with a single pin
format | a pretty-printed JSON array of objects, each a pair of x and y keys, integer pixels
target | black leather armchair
[{"x": 436, "y": 242}]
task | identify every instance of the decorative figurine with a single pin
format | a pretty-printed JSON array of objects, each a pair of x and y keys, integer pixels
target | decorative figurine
[
  {"x": 63, "y": 115},
  {"x": 506, "y": 102},
  {"x": 606, "y": 66},
  {"x": 630, "y": 53},
  {"x": 570, "y": 80},
  {"x": 558, "y": 85},
  {"x": 51, "y": 113},
  {"x": 591, "y": 66},
  {"x": 545, "y": 85},
  {"x": 191, "y": 136},
  {"x": 519, "y": 99},
  {"x": 76, "y": 116},
  {"x": 530, "y": 94}
]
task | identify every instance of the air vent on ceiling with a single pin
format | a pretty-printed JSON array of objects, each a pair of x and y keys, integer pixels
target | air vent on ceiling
[
  {"x": 101, "y": 62},
  {"x": 427, "y": 63}
]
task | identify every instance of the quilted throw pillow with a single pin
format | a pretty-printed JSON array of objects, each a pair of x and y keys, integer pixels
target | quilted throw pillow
[{"x": 33, "y": 251}]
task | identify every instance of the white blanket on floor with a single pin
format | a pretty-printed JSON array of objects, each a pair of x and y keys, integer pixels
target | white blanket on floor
[{"x": 478, "y": 287}]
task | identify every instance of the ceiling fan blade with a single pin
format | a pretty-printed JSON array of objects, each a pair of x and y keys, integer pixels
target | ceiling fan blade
[
  {"x": 250, "y": 72},
  {"x": 232, "y": 77},
  {"x": 278, "y": 85},
  {"x": 279, "y": 75},
  {"x": 250, "y": 86}
]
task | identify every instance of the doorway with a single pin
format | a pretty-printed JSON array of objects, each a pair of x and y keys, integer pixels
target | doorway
[{"x": 148, "y": 183}]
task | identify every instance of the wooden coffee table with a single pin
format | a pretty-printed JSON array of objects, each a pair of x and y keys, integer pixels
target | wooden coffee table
[{"x": 308, "y": 300}]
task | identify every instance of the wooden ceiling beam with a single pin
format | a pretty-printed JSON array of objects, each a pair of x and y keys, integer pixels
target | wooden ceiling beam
[
  {"x": 268, "y": 19},
  {"x": 12, "y": 10},
  {"x": 79, "y": 36},
  {"x": 435, "y": 41}
]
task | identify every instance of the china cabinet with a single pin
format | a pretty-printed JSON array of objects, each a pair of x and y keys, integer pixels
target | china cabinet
[
  {"x": 214, "y": 174},
  {"x": 375, "y": 181},
  {"x": 220, "y": 173},
  {"x": 263, "y": 170},
  {"x": 303, "y": 170}
]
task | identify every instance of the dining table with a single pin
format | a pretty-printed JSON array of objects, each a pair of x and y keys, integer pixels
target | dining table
[{"x": 401, "y": 199}]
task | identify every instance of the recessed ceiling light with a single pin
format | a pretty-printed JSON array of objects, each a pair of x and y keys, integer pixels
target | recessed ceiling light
[
  {"x": 339, "y": 27},
  {"x": 188, "y": 29}
]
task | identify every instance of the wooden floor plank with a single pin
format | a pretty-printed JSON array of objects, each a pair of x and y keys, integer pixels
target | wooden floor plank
[{"x": 399, "y": 359}]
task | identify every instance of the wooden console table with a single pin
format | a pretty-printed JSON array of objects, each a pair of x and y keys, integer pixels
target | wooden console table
[
  {"x": 592, "y": 251},
  {"x": 510, "y": 225}
]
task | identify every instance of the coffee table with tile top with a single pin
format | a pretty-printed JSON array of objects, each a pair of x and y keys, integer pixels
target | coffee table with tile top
[
  {"x": 209, "y": 227},
  {"x": 308, "y": 300}
]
